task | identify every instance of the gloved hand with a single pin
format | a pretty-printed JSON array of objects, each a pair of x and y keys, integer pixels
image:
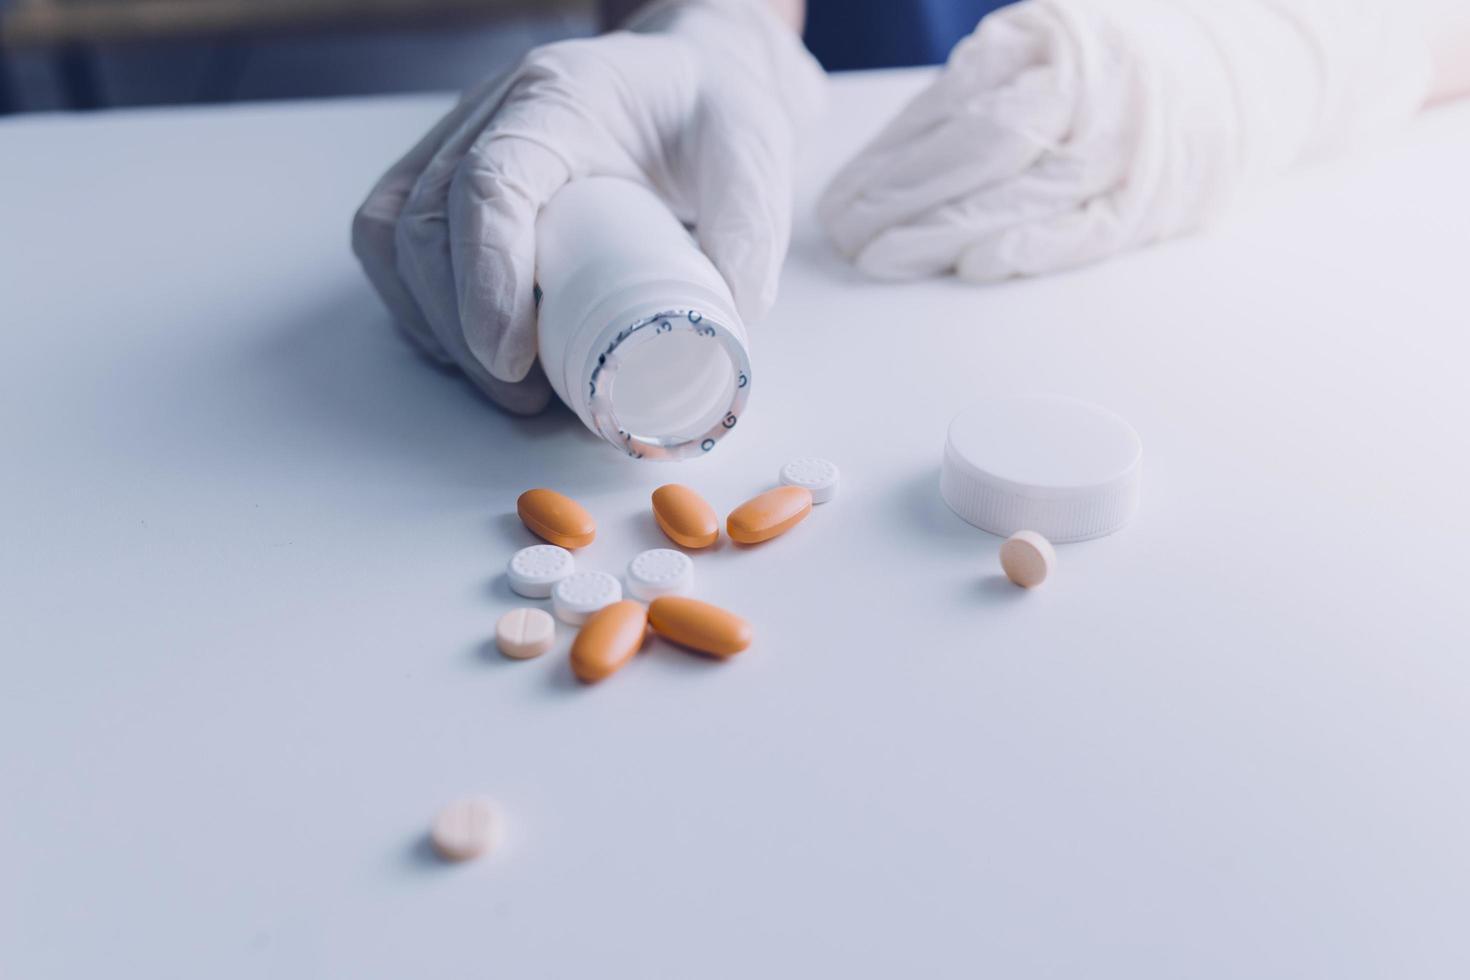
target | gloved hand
[
  {"x": 699, "y": 101},
  {"x": 1063, "y": 131}
]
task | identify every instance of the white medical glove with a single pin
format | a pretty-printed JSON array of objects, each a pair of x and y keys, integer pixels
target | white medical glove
[
  {"x": 1064, "y": 131},
  {"x": 699, "y": 101}
]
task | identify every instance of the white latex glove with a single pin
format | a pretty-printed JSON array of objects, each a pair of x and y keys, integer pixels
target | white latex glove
[
  {"x": 699, "y": 101},
  {"x": 1064, "y": 131}
]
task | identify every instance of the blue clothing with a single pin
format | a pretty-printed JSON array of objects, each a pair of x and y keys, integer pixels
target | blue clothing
[{"x": 888, "y": 33}]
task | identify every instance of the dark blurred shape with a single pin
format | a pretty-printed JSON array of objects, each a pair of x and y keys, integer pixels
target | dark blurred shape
[
  {"x": 91, "y": 53},
  {"x": 61, "y": 22},
  {"x": 83, "y": 54},
  {"x": 847, "y": 34},
  {"x": 7, "y": 98}
]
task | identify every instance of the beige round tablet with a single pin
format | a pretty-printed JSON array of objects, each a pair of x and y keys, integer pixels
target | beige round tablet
[
  {"x": 464, "y": 829},
  {"x": 524, "y": 633},
  {"x": 1027, "y": 558}
]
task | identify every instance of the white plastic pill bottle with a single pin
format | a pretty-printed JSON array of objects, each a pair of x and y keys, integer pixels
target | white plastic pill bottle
[{"x": 638, "y": 333}]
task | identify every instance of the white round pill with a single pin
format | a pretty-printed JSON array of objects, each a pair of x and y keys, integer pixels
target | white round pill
[
  {"x": 464, "y": 829},
  {"x": 818, "y": 475},
  {"x": 534, "y": 571},
  {"x": 662, "y": 571},
  {"x": 525, "y": 633},
  {"x": 1027, "y": 558},
  {"x": 580, "y": 595}
]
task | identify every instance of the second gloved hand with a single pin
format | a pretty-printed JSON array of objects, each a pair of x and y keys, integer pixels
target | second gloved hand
[
  {"x": 1064, "y": 131},
  {"x": 699, "y": 101}
]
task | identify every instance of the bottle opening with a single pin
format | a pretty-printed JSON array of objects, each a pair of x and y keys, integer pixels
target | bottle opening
[
  {"x": 669, "y": 386},
  {"x": 672, "y": 388}
]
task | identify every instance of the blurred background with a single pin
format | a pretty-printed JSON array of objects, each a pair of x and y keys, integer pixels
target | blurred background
[
  {"x": 89, "y": 54},
  {"x": 94, "y": 54}
]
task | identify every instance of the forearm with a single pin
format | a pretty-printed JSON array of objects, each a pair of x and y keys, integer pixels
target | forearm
[
  {"x": 791, "y": 12},
  {"x": 1447, "y": 24}
]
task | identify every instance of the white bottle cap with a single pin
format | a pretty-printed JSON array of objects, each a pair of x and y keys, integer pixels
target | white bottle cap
[{"x": 1046, "y": 463}]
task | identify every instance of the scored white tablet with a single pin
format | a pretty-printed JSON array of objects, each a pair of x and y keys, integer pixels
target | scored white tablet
[{"x": 525, "y": 633}]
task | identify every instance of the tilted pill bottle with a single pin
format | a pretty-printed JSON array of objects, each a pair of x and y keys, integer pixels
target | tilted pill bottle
[{"x": 637, "y": 330}]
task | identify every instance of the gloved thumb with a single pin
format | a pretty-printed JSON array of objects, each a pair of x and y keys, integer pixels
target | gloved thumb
[{"x": 743, "y": 193}]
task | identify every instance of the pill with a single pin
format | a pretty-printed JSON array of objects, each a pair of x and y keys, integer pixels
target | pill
[
  {"x": 685, "y": 517},
  {"x": 525, "y": 633},
  {"x": 533, "y": 571},
  {"x": 818, "y": 475},
  {"x": 773, "y": 512},
  {"x": 699, "y": 625},
  {"x": 464, "y": 829},
  {"x": 662, "y": 571},
  {"x": 608, "y": 640},
  {"x": 1027, "y": 558},
  {"x": 556, "y": 518},
  {"x": 581, "y": 594}
]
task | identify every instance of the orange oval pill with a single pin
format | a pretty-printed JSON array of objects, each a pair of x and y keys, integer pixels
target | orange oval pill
[
  {"x": 685, "y": 516},
  {"x": 699, "y": 625},
  {"x": 773, "y": 512},
  {"x": 556, "y": 518},
  {"x": 608, "y": 640}
]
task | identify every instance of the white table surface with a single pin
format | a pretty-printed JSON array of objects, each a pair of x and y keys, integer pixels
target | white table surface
[{"x": 251, "y": 556}]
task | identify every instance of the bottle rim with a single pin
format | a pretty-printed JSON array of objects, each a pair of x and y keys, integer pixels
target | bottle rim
[{"x": 614, "y": 345}]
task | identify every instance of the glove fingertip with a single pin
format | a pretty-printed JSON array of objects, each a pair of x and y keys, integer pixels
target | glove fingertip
[
  {"x": 371, "y": 236},
  {"x": 757, "y": 304},
  {"x": 508, "y": 353},
  {"x": 528, "y": 395},
  {"x": 423, "y": 339},
  {"x": 498, "y": 311},
  {"x": 983, "y": 262},
  {"x": 752, "y": 275},
  {"x": 524, "y": 399},
  {"x": 514, "y": 365},
  {"x": 881, "y": 261},
  {"x": 839, "y": 233}
]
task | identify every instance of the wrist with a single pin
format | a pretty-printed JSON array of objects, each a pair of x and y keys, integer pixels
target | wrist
[
  {"x": 748, "y": 37},
  {"x": 1301, "y": 78},
  {"x": 1446, "y": 26}
]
